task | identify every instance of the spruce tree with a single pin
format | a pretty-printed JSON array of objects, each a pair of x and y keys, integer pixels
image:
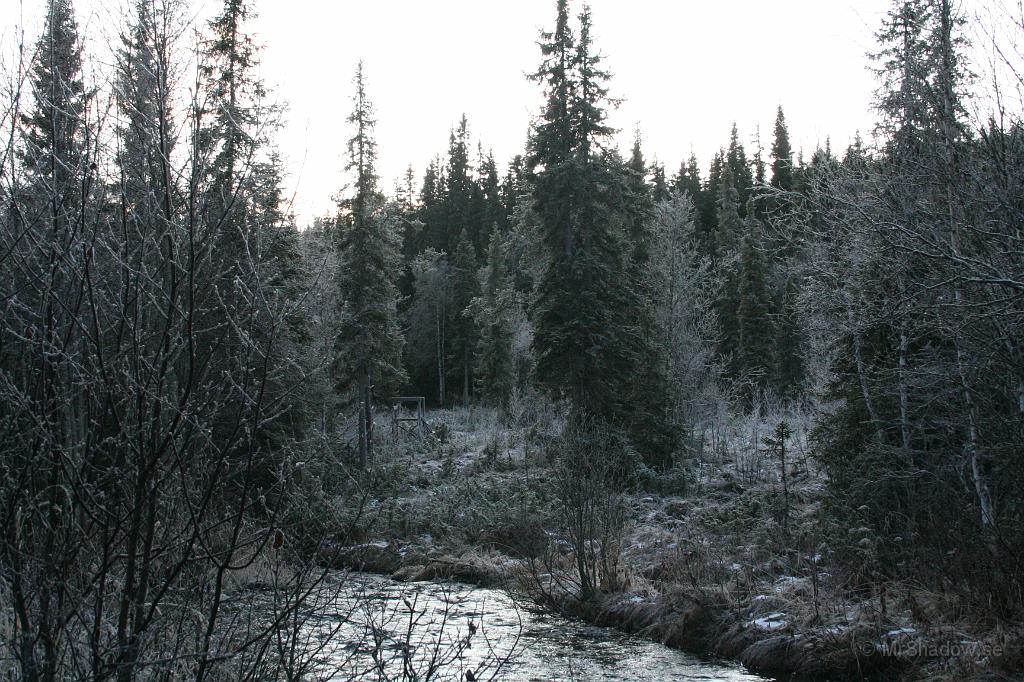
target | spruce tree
[
  {"x": 725, "y": 259},
  {"x": 758, "y": 161},
  {"x": 494, "y": 368},
  {"x": 659, "y": 184},
  {"x": 729, "y": 227},
  {"x": 231, "y": 119},
  {"x": 707, "y": 207},
  {"x": 492, "y": 216},
  {"x": 513, "y": 186},
  {"x": 641, "y": 204},
  {"x": 687, "y": 180},
  {"x": 739, "y": 167},
  {"x": 431, "y": 213},
  {"x": 368, "y": 351},
  {"x": 573, "y": 326},
  {"x": 146, "y": 134},
  {"x": 408, "y": 215},
  {"x": 463, "y": 331},
  {"x": 782, "y": 156},
  {"x": 428, "y": 318},
  {"x": 55, "y": 155},
  {"x": 460, "y": 190},
  {"x": 906, "y": 68},
  {"x": 37, "y": 365},
  {"x": 753, "y": 314},
  {"x": 589, "y": 346},
  {"x": 790, "y": 345}
]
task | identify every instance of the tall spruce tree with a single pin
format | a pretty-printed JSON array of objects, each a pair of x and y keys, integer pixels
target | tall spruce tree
[
  {"x": 251, "y": 243},
  {"x": 687, "y": 180},
  {"x": 460, "y": 208},
  {"x": 707, "y": 207},
  {"x": 146, "y": 134},
  {"x": 428, "y": 318},
  {"x": 588, "y": 343},
  {"x": 790, "y": 346},
  {"x": 55, "y": 155},
  {"x": 51, "y": 215},
  {"x": 782, "y": 156},
  {"x": 513, "y": 186},
  {"x": 725, "y": 259},
  {"x": 431, "y": 212},
  {"x": 659, "y": 183},
  {"x": 463, "y": 339},
  {"x": 368, "y": 351},
  {"x": 757, "y": 205},
  {"x": 740, "y": 168},
  {"x": 753, "y": 314},
  {"x": 729, "y": 228},
  {"x": 232, "y": 119},
  {"x": 494, "y": 368},
  {"x": 491, "y": 215},
  {"x": 641, "y": 204}
]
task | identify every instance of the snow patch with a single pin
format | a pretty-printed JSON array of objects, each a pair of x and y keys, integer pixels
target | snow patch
[
  {"x": 773, "y": 621},
  {"x": 899, "y": 632}
]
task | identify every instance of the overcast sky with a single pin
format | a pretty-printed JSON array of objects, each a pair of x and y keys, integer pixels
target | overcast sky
[{"x": 686, "y": 69}]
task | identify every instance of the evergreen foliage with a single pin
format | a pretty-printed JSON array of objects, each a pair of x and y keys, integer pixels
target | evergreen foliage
[
  {"x": 368, "y": 351},
  {"x": 754, "y": 352},
  {"x": 55, "y": 154},
  {"x": 790, "y": 346},
  {"x": 427, "y": 319},
  {"x": 590, "y": 348},
  {"x": 913, "y": 317},
  {"x": 740, "y": 169},
  {"x": 463, "y": 339},
  {"x": 782, "y": 156},
  {"x": 493, "y": 313},
  {"x": 688, "y": 179}
]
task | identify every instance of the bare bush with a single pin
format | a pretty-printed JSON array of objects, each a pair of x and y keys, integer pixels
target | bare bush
[{"x": 593, "y": 464}]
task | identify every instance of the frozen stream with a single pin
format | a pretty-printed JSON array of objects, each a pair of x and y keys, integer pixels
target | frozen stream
[{"x": 380, "y": 629}]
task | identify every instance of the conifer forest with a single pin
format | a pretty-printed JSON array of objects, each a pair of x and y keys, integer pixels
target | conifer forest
[{"x": 749, "y": 417}]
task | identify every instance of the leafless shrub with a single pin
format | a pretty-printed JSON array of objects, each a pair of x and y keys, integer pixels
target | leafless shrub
[{"x": 593, "y": 464}]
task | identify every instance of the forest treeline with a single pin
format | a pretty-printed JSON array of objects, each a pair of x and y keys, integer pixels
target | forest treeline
[{"x": 175, "y": 352}]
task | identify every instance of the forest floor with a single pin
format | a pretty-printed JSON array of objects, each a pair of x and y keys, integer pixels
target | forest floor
[{"x": 710, "y": 563}]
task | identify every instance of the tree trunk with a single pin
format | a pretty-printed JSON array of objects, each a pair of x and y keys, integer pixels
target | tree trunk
[
  {"x": 365, "y": 418},
  {"x": 863, "y": 380},
  {"x": 366, "y": 421},
  {"x": 904, "y": 417},
  {"x": 465, "y": 377},
  {"x": 368, "y": 407},
  {"x": 439, "y": 322},
  {"x": 785, "y": 487}
]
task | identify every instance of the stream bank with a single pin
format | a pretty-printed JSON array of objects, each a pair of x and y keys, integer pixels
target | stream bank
[
  {"x": 705, "y": 566},
  {"x": 711, "y": 629}
]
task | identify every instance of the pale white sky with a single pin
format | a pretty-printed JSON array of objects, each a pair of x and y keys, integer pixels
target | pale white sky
[{"x": 686, "y": 69}]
